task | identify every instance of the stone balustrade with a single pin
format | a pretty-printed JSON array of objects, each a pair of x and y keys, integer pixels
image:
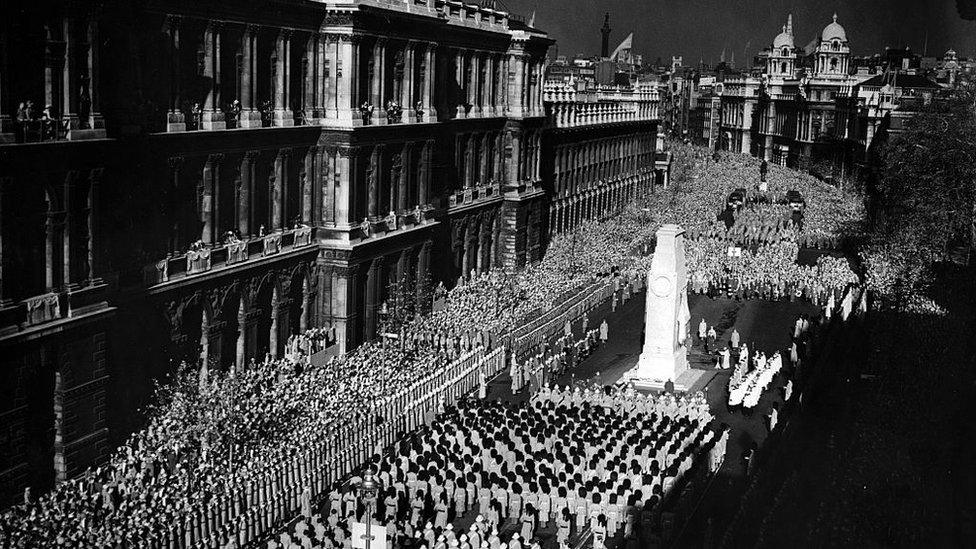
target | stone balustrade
[
  {"x": 43, "y": 308},
  {"x": 303, "y": 237},
  {"x": 473, "y": 195},
  {"x": 272, "y": 244},
  {"x": 236, "y": 252},
  {"x": 569, "y": 107},
  {"x": 197, "y": 262}
]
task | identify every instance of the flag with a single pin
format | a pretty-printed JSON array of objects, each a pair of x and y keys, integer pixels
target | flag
[
  {"x": 627, "y": 44},
  {"x": 532, "y": 19}
]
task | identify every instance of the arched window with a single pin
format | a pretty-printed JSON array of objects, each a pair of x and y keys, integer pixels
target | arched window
[
  {"x": 783, "y": 68},
  {"x": 836, "y": 45},
  {"x": 786, "y": 52},
  {"x": 833, "y": 63}
]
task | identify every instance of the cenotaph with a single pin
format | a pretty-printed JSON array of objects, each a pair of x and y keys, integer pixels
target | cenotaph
[{"x": 664, "y": 356}]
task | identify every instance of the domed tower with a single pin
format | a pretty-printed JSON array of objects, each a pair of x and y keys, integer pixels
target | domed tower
[
  {"x": 833, "y": 54},
  {"x": 781, "y": 62}
]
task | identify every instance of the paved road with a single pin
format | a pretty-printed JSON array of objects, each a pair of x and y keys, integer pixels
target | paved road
[{"x": 766, "y": 326}]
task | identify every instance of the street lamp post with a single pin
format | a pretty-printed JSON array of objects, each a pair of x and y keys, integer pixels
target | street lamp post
[{"x": 368, "y": 490}]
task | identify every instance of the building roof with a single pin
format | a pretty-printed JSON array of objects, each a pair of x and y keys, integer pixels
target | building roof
[
  {"x": 901, "y": 81},
  {"x": 834, "y": 30}
]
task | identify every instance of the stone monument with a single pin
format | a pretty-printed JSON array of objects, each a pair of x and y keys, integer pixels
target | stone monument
[{"x": 664, "y": 356}]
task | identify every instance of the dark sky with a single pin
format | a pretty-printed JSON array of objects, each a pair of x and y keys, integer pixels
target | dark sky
[{"x": 702, "y": 28}]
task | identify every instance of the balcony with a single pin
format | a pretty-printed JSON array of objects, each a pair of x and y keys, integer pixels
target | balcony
[
  {"x": 196, "y": 262},
  {"x": 84, "y": 299},
  {"x": 570, "y": 108},
  {"x": 46, "y": 129},
  {"x": 473, "y": 195}
]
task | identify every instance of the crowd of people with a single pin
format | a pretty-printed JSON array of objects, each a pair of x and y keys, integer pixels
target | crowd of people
[
  {"x": 212, "y": 433},
  {"x": 572, "y": 459},
  {"x": 751, "y": 377}
]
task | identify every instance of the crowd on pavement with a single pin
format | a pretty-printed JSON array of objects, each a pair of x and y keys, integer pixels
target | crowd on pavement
[{"x": 212, "y": 432}]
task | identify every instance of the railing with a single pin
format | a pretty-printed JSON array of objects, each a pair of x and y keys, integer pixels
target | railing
[
  {"x": 474, "y": 194},
  {"x": 43, "y": 308},
  {"x": 272, "y": 244},
  {"x": 236, "y": 252},
  {"x": 196, "y": 262},
  {"x": 529, "y": 335},
  {"x": 323, "y": 462},
  {"x": 303, "y": 237},
  {"x": 569, "y": 107}
]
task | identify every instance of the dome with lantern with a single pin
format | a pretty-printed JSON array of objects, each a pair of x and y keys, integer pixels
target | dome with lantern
[
  {"x": 785, "y": 38},
  {"x": 834, "y": 31}
]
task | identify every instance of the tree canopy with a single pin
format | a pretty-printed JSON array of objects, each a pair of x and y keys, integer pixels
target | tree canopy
[{"x": 926, "y": 185}]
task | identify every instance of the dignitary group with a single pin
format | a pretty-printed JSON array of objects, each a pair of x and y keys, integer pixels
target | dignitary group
[{"x": 493, "y": 474}]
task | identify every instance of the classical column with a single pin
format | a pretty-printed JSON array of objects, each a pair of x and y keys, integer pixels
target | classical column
[
  {"x": 770, "y": 132},
  {"x": 469, "y": 160},
  {"x": 427, "y": 75},
  {"x": 379, "y": 82},
  {"x": 213, "y": 117},
  {"x": 311, "y": 80},
  {"x": 504, "y": 84},
  {"x": 514, "y": 166},
  {"x": 460, "y": 78},
  {"x": 488, "y": 105},
  {"x": 175, "y": 165},
  {"x": 423, "y": 265},
  {"x": 91, "y": 214},
  {"x": 245, "y": 192},
  {"x": 209, "y": 200},
  {"x": 484, "y": 173},
  {"x": 430, "y": 74},
  {"x": 273, "y": 332},
  {"x": 344, "y": 191},
  {"x": 281, "y": 72},
  {"x": 516, "y": 95},
  {"x": 49, "y": 236},
  {"x": 374, "y": 180},
  {"x": 474, "y": 85},
  {"x": 466, "y": 245},
  {"x": 308, "y": 181},
  {"x": 486, "y": 79},
  {"x": 70, "y": 189},
  {"x": 346, "y": 82},
  {"x": 330, "y": 184},
  {"x": 423, "y": 181},
  {"x": 91, "y": 103},
  {"x": 345, "y": 309},
  {"x": 404, "y": 180},
  {"x": 324, "y": 60},
  {"x": 373, "y": 290},
  {"x": 277, "y": 183},
  {"x": 69, "y": 80},
  {"x": 406, "y": 85},
  {"x": 480, "y": 258},
  {"x": 250, "y": 116},
  {"x": 538, "y": 156}
]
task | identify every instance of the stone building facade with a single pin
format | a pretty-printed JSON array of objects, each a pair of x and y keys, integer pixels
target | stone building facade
[{"x": 210, "y": 179}]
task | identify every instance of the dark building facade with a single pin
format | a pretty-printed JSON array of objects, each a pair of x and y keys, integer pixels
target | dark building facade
[{"x": 198, "y": 181}]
